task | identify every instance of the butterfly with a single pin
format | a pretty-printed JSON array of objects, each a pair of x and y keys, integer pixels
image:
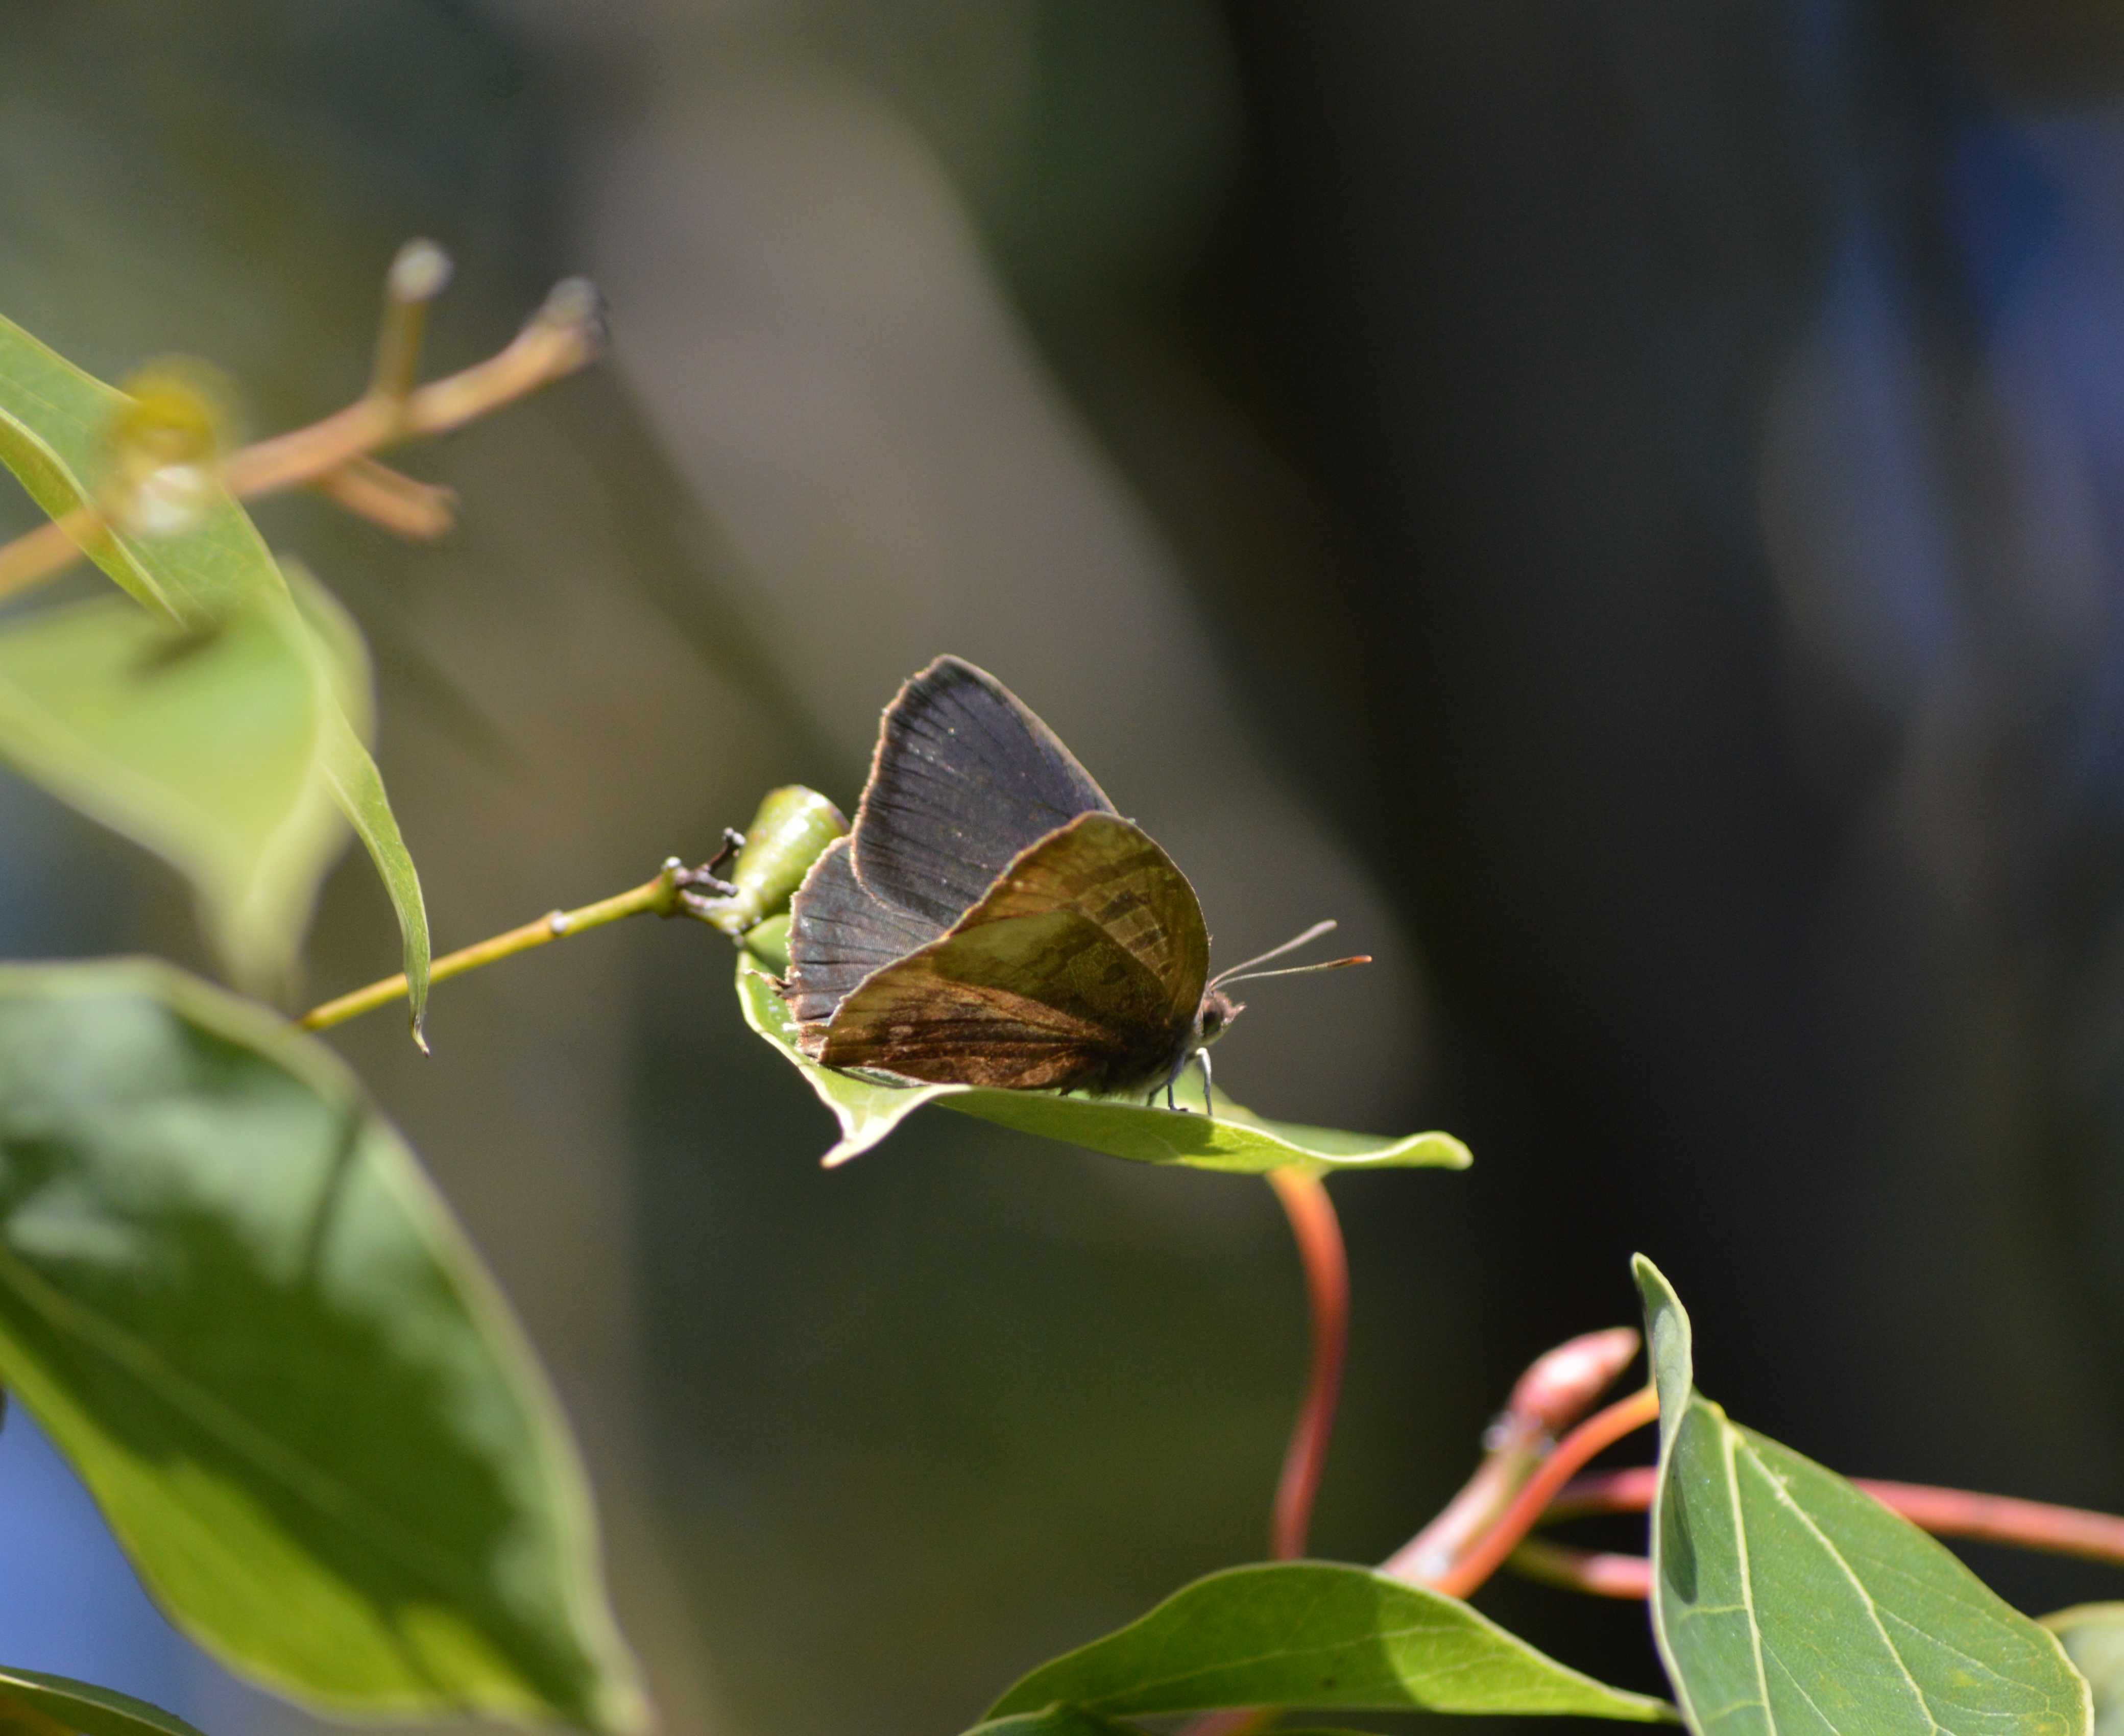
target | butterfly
[{"x": 992, "y": 920}]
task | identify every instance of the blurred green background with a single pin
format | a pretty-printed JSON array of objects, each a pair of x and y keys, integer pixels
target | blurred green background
[{"x": 1619, "y": 504}]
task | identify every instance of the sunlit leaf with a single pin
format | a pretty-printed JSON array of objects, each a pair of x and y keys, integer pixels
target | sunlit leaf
[
  {"x": 209, "y": 746},
  {"x": 36, "y": 1705},
  {"x": 230, "y": 1298},
  {"x": 1069, "y": 1720},
  {"x": 1785, "y": 1602},
  {"x": 1313, "y": 1633},
  {"x": 356, "y": 784},
  {"x": 1060, "y": 1721},
  {"x": 211, "y": 572},
  {"x": 55, "y": 424},
  {"x": 1235, "y": 1139},
  {"x": 2092, "y": 1634}
]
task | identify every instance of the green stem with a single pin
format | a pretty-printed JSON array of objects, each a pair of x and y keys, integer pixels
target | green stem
[{"x": 653, "y": 897}]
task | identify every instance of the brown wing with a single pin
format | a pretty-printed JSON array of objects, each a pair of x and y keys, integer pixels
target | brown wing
[{"x": 1083, "y": 965}]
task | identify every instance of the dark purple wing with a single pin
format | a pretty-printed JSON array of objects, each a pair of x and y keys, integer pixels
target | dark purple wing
[
  {"x": 965, "y": 780},
  {"x": 838, "y": 933}
]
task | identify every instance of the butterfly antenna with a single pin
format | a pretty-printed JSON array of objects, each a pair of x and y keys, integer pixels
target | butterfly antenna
[
  {"x": 1291, "y": 945},
  {"x": 1301, "y": 970}
]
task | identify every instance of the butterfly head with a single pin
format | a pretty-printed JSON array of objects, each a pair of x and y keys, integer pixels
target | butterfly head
[{"x": 1217, "y": 1010}]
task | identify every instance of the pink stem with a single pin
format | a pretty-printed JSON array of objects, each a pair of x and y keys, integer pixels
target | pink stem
[{"x": 1319, "y": 1237}]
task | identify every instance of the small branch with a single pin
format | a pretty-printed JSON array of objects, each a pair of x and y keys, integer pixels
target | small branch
[
  {"x": 418, "y": 512},
  {"x": 1594, "y": 1435},
  {"x": 1318, "y": 1235},
  {"x": 421, "y": 272},
  {"x": 1956, "y": 1513},
  {"x": 659, "y": 897},
  {"x": 1314, "y": 1227},
  {"x": 564, "y": 335},
  {"x": 1558, "y": 1389},
  {"x": 1596, "y": 1574},
  {"x": 1946, "y": 1513}
]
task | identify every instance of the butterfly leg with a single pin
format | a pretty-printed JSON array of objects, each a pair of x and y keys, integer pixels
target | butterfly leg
[{"x": 1208, "y": 1102}]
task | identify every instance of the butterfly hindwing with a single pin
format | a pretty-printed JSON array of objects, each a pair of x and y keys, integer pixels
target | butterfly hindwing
[
  {"x": 838, "y": 933},
  {"x": 1006, "y": 1005},
  {"x": 964, "y": 780},
  {"x": 1082, "y": 966}
]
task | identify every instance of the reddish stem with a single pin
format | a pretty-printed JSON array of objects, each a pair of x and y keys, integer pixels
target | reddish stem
[
  {"x": 1319, "y": 1237},
  {"x": 1596, "y": 1574},
  {"x": 1946, "y": 1513},
  {"x": 1597, "y": 1433},
  {"x": 1552, "y": 1396}
]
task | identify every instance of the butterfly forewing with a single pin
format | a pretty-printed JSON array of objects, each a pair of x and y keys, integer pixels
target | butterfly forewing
[
  {"x": 1083, "y": 966},
  {"x": 965, "y": 779}
]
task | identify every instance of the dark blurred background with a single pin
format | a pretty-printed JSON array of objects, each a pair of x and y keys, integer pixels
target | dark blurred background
[{"x": 1621, "y": 503}]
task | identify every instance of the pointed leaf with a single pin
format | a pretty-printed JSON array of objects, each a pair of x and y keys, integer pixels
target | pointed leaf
[
  {"x": 1234, "y": 1139},
  {"x": 64, "y": 1705},
  {"x": 53, "y": 423},
  {"x": 1069, "y": 1720},
  {"x": 2092, "y": 1634},
  {"x": 1785, "y": 1602},
  {"x": 356, "y": 784},
  {"x": 209, "y": 747},
  {"x": 1314, "y": 1633},
  {"x": 1060, "y": 1721},
  {"x": 230, "y": 1296},
  {"x": 53, "y": 420}
]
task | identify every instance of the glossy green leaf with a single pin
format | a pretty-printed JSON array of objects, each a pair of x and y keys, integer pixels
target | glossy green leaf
[
  {"x": 1314, "y": 1633},
  {"x": 357, "y": 786},
  {"x": 1058, "y": 1720},
  {"x": 1785, "y": 1602},
  {"x": 209, "y": 746},
  {"x": 54, "y": 418},
  {"x": 227, "y": 1293},
  {"x": 58, "y": 1703},
  {"x": 1069, "y": 1720},
  {"x": 1234, "y": 1139},
  {"x": 2093, "y": 1635},
  {"x": 215, "y": 573}
]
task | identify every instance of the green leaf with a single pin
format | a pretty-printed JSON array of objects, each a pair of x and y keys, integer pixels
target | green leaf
[
  {"x": 209, "y": 746},
  {"x": 230, "y": 1296},
  {"x": 1235, "y": 1139},
  {"x": 2093, "y": 1635},
  {"x": 356, "y": 784},
  {"x": 53, "y": 422},
  {"x": 1313, "y": 1633},
  {"x": 1060, "y": 1721},
  {"x": 1069, "y": 1720},
  {"x": 213, "y": 573},
  {"x": 1785, "y": 1602},
  {"x": 79, "y": 1707}
]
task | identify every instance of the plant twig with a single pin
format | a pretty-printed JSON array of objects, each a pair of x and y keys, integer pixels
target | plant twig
[
  {"x": 1595, "y": 1573},
  {"x": 418, "y": 512},
  {"x": 659, "y": 897},
  {"x": 1558, "y": 1387},
  {"x": 1598, "y": 1432},
  {"x": 566, "y": 334},
  {"x": 1946, "y": 1513},
  {"x": 1314, "y": 1227},
  {"x": 1318, "y": 1235}
]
